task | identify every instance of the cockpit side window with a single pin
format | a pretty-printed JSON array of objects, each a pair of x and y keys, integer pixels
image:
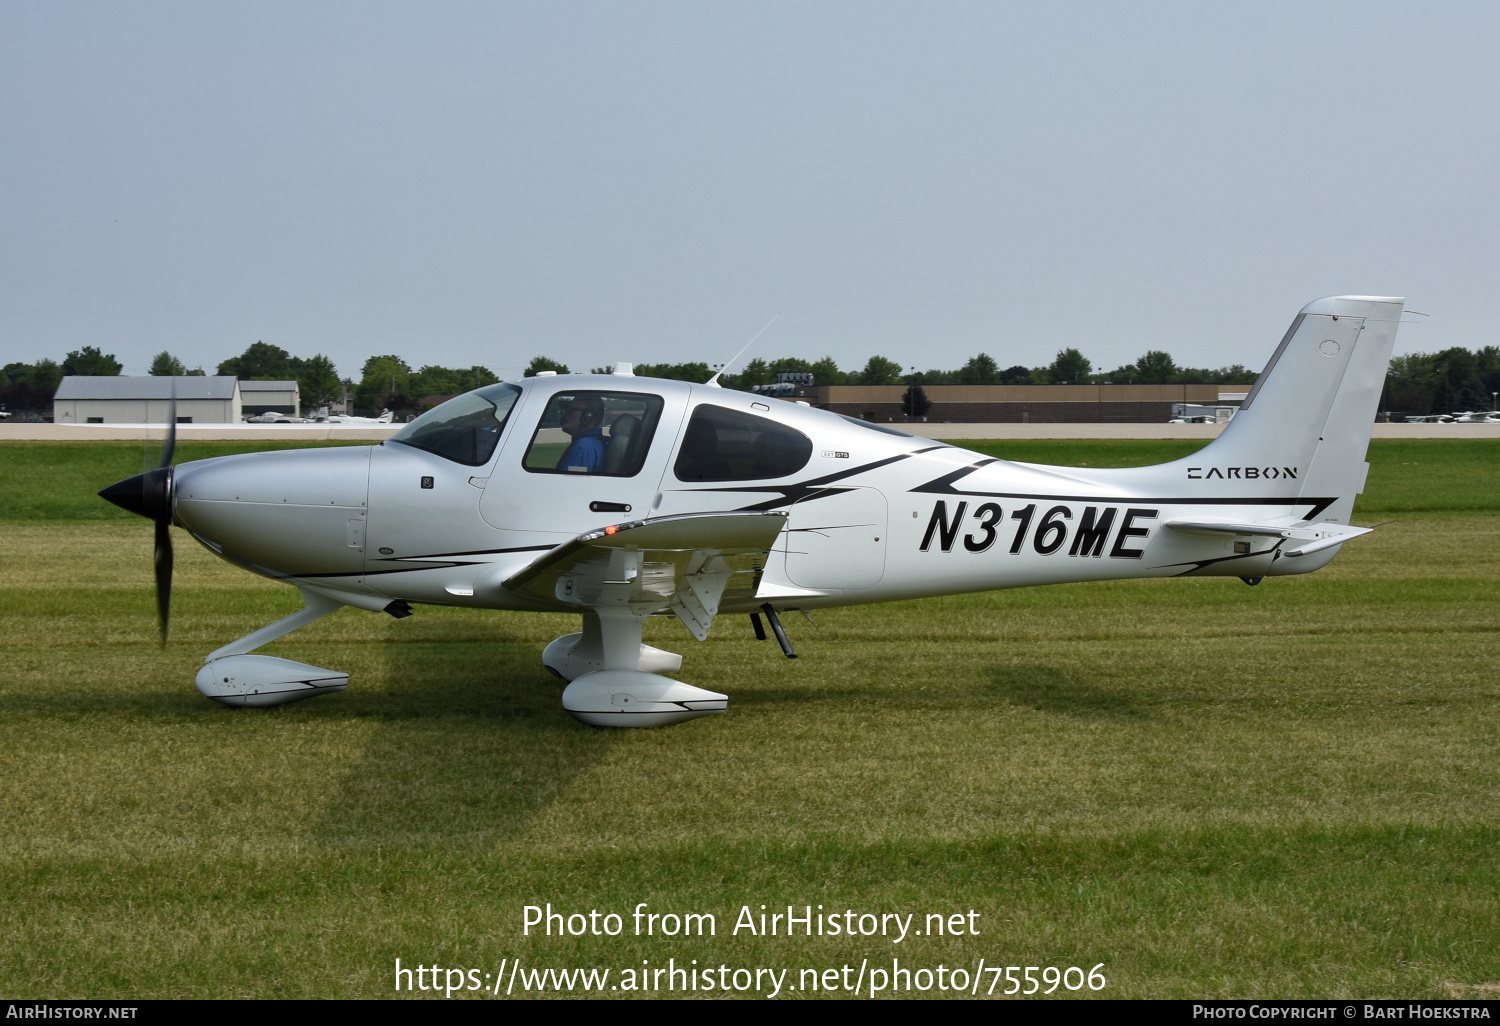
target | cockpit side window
[
  {"x": 600, "y": 433},
  {"x": 466, "y": 428},
  {"x": 727, "y": 445}
]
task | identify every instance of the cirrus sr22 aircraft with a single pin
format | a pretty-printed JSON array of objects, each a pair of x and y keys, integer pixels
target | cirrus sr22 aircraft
[{"x": 618, "y": 498}]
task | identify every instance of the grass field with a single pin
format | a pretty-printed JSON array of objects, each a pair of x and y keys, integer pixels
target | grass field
[{"x": 1214, "y": 790}]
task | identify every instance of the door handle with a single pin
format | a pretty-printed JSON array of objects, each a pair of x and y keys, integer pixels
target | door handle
[{"x": 609, "y": 507}]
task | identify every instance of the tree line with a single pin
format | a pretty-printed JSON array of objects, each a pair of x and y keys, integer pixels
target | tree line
[
  {"x": 1417, "y": 384},
  {"x": 1454, "y": 380},
  {"x": 30, "y": 386},
  {"x": 386, "y": 382},
  {"x": 1070, "y": 367}
]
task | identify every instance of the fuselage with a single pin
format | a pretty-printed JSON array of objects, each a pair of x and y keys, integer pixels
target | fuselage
[{"x": 444, "y": 513}]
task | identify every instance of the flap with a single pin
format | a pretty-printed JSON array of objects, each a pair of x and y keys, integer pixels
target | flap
[{"x": 646, "y": 564}]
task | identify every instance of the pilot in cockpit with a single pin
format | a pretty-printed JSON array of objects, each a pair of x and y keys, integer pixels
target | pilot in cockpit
[{"x": 583, "y": 421}]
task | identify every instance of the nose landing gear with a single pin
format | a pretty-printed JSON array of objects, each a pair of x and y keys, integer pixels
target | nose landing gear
[{"x": 231, "y": 676}]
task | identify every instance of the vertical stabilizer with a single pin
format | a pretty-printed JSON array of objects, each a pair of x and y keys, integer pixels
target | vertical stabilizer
[{"x": 1313, "y": 406}]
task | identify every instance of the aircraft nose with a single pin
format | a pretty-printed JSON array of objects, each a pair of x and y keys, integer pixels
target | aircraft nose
[
  {"x": 297, "y": 512},
  {"x": 147, "y": 495}
]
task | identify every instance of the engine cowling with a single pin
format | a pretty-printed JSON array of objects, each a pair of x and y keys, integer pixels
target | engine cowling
[{"x": 259, "y": 680}]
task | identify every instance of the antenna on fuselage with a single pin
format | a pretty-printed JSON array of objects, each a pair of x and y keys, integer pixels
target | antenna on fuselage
[{"x": 713, "y": 382}]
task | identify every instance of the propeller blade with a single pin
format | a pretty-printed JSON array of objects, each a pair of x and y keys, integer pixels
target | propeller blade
[
  {"x": 163, "y": 576},
  {"x": 149, "y": 494},
  {"x": 169, "y": 444}
]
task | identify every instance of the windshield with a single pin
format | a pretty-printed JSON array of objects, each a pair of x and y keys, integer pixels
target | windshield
[{"x": 466, "y": 428}]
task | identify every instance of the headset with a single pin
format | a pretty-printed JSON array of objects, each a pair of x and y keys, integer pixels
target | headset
[{"x": 591, "y": 412}]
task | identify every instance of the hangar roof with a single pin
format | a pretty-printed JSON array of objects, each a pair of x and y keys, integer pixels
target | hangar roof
[
  {"x": 90, "y": 386},
  {"x": 267, "y": 386}
]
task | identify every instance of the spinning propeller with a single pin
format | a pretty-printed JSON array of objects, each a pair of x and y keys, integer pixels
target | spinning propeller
[{"x": 150, "y": 495}]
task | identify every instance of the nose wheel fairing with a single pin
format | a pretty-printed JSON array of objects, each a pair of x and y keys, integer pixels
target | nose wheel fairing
[
  {"x": 232, "y": 676},
  {"x": 254, "y": 681}
]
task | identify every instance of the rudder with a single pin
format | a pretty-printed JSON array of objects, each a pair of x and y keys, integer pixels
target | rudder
[{"x": 1313, "y": 406}]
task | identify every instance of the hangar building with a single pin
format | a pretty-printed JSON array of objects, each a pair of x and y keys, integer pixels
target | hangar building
[
  {"x": 257, "y": 397},
  {"x": 91, "y": 399}
]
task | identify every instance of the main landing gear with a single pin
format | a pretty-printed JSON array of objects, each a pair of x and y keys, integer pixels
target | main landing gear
[{"x": 615, "y": 678}]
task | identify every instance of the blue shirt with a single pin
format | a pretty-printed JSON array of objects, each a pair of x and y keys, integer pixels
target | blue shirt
[{"x": 585, "y": 455}]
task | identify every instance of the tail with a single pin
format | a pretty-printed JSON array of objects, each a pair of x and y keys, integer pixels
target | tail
[{"x": 1310, "y": 412}]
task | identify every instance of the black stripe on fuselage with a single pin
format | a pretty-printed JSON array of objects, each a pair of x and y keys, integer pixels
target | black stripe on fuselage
[
  {"x": 474, "y": 552},
  {"x": 436, "y": 559},
  {"x": 816, "y": 488},
  {"x": 1199, "y": 564},
  {"x": 945, "y": 486}
]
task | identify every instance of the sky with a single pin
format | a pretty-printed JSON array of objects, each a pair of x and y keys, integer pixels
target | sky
[{"x": 481, "y": 183}]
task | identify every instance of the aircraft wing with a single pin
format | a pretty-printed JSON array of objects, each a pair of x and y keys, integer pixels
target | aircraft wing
[{"x": 689, "y": 563}]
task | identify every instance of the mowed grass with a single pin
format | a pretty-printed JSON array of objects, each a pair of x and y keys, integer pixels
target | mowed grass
[
  {"x": 1214, "y": 790},
  {"x": 60, "y": 481}
]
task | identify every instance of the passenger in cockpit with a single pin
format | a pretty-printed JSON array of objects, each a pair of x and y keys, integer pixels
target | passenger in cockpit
[{"x": 583, "y": 421}]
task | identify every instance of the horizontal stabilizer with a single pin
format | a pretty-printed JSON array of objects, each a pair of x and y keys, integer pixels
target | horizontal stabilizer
[
  {"x": 1303, "y": 538},
  {"x": 1213, "y": 525},
  {"x": 1324, "y": 536}
]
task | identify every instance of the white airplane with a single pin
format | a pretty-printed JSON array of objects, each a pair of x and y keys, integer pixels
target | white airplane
[
  {"x": 619, "y": 498},
  {"x": 275, "y": 418},
  {"x": 324, "y": 417}
]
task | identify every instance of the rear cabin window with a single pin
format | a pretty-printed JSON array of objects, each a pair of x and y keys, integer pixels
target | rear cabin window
[
  {"x": 601, "y": 433},
  {"x": 727, "y": 445}
]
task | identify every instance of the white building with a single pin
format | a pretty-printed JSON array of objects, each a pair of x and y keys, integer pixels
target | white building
[
  {"x": 257, "y": 397},
  {"x": 1208, "y": 413},
  {"x": 90, "y": 399}
]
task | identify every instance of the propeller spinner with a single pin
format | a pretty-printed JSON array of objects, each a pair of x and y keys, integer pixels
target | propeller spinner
[{"x": 150, "y": 495}]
